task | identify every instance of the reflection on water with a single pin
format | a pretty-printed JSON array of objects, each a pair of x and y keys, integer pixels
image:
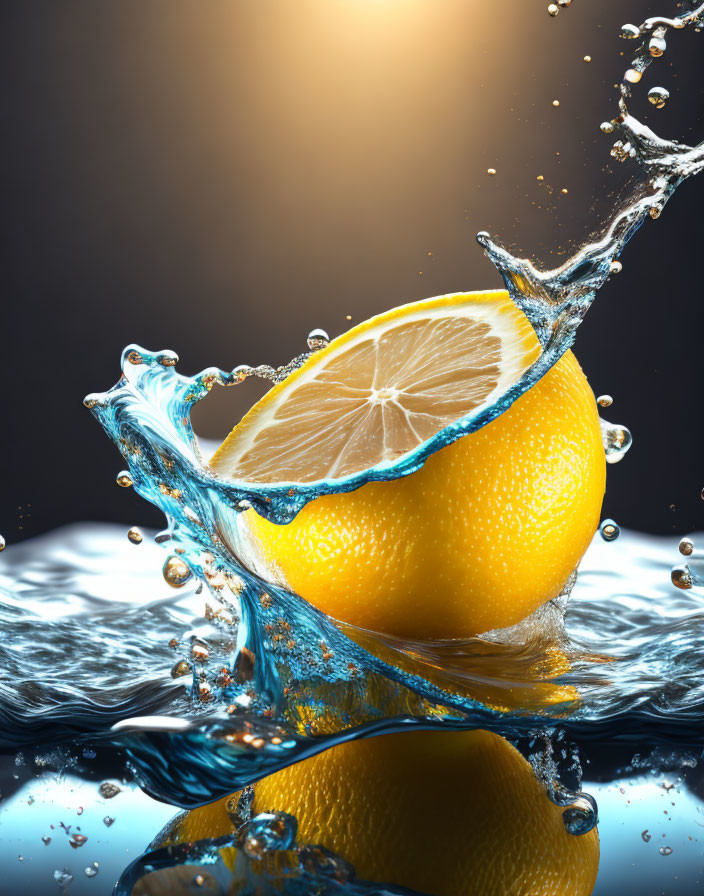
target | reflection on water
[
  {"x": 87, "y": 592},
  {"x": 637, "y": 819}
]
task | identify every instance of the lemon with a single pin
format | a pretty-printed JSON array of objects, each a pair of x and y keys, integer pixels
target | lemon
[
  {"x": 486, "y": 531},
  {"x": 447, "y": 813}
]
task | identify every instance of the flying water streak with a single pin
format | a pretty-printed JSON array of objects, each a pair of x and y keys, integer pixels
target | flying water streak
[{"x": 555, "y": 301}]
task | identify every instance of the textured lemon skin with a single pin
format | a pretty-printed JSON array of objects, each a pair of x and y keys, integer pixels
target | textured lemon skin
[
  {"x": 445, "y": 813},
  {"x": 489, "y": 529}
]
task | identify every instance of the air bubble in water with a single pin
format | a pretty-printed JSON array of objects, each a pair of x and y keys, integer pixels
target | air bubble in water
[
  {"x": 633, "y": 76},
  {"x": 46, "y": 840},
  {"x": 564, "y": 3},
  {"x": 268, "y": 831},
  {"x": 605, "y": 401},
  {"x": 658, "y": 96},
  {"x": 2, "y": 543},
  {"x": 681, "y": 577},
  {"x": 645, "y": 836},
  {"x": 587, "y": 58},
  {"x": 176, "y": 573},
  {"x": 582, "y": 816},
  {"x": 686, "y": 547},
  {"x": 665, "y": 850},
  {"x": 92, "y": 870},
  {"x": 609, "y": 530},
  {"x": 77, "y": 840},
  {"x": 615, "y": 267},
  {"x": 123, "y": 479},
  {"x": 134, "y": 535},
  {"x": 317, "y": 339},
  {"x": 607, "y": 127},
  {"x": 553, "y": 9},
  {"x": 63, "y": 878},
  {"x": 491, "y": 171},
  {"x": 108, "y": 821}
]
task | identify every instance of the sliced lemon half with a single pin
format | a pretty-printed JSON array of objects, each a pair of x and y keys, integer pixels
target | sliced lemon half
[{"x": 382, "y": 389}]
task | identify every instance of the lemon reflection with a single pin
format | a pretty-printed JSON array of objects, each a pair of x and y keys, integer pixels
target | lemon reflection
[{"x": 443, "y": 813}]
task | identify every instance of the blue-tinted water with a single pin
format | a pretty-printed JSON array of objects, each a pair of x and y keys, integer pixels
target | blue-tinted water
[{"x": 86, "y": 593}]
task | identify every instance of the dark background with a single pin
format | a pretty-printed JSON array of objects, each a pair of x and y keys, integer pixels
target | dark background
[{"x": 219, "y": 178}]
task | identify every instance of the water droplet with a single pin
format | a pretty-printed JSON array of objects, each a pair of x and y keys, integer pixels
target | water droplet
[
  {"x": 616, "y": 267},
  {"x": 633, "y": 76},
  {"x": 180, "y": 669},
  {"x": 605, "y": 401},
  {"x": 123, "y": 479},
  {"x": 657, "y": 46},
  {"x": 665, "y": 850},
  {"x": 630, "y": 32},
  {"x": 564, "y": 191},
  {"x": 607, "y": 127},
  {"x": 134, "y": 535},
  {"x": 491, "y": 171},
  {"x": 645, "y": 836},
  {"x": 686, "y": 547},
  {"x": 135, "y": 358},
  {"x": 108, "y": 821},
  {"x": 609, "y": 530},
  {"x": 92, "y": 870},
  {"x": 108, "y": 790},
  {"x": 46, "y": 840},
  {"x": 2, "y": 543},
  {"x": 200, "y": 652},
  {"x": 553, "y": 9},
  {"x": 199, "y": 880},
  {"x": 556, "y": 103},
  {"x": 77, "y": 840},
  {"x": 167, "y": 359},
  {"x": 658, "y": 96},
  {"x": 681, "y": 577},
  {"x": 616, "y": 439},
  {"x": 176, "y": 573},
  {"x": 564, "y": 3},
  {"x": 587, "y": 58},
  {"x": 317, "y": 339},
  {"x": 79, "y": 810},
  {"x": 540, "y": 177}
]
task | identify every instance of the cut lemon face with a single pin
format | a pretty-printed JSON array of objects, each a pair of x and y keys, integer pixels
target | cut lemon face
[{"x": 382, "y": 389}]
